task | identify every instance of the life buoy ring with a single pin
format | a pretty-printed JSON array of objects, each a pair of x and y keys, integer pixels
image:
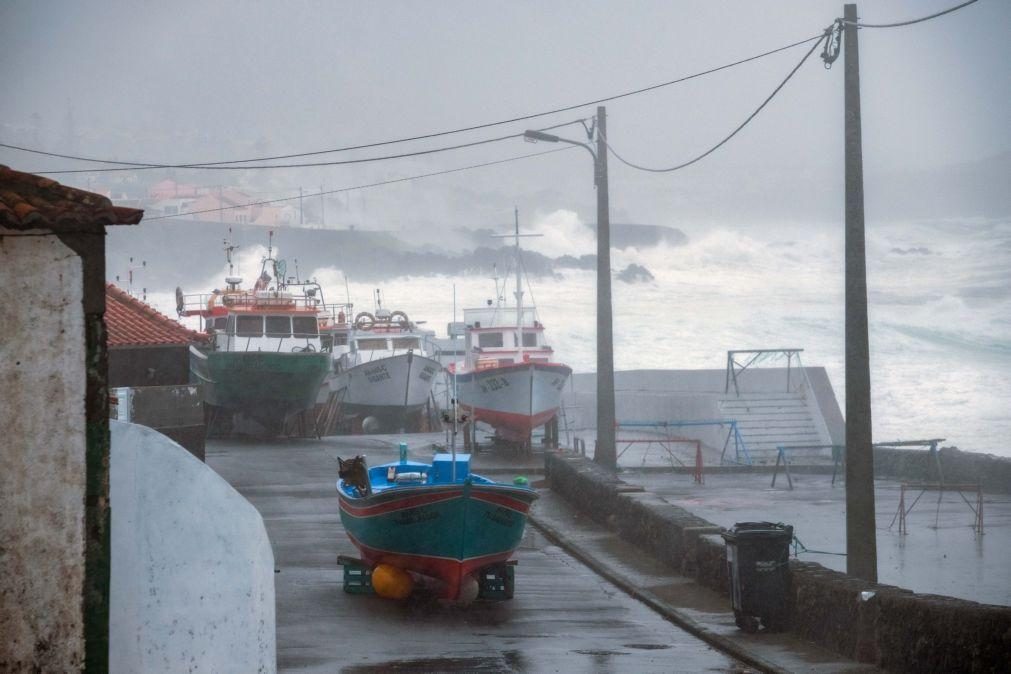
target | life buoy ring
[
  {"x": 400, "y": 318},
  {"x": 364, "y": 321}
]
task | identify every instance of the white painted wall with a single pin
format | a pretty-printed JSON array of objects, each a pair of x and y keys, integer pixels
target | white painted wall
[
  {"x": 42, "y": 455},
  {"x": 192, "y": 567}
]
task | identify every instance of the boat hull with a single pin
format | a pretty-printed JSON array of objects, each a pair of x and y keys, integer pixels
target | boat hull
[
  {"x": 447, "y": 532},
  {"x": 514, "y": 399},
  {"x": 264, "y": 386},
  {"x": 390, "y": 389}
]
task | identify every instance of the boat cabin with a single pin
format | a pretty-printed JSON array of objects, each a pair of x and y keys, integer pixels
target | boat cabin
[
  {"x": 261, "y": 320},
  {"x": 496, "y": 336}
]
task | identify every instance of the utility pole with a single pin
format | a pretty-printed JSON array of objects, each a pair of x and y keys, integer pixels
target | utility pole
[
  {"x": 861, "y": 541},
  {"x": 605, "y": 453},
  {"x": 322, "y": 207},
  {"x": 301, "y": 219}
]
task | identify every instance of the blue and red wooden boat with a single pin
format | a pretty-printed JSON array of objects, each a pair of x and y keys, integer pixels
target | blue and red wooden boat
[{"x": 428, "y": 519}]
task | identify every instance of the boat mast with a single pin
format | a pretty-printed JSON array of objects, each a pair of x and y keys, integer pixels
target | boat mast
[{"x": 519, "y": 289}]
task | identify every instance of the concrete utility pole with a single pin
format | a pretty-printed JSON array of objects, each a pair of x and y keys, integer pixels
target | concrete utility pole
[
  {"x": 605, "y": 453},
  {"x": 861, "y": 541},
  {"x": 301, "y": 219}
]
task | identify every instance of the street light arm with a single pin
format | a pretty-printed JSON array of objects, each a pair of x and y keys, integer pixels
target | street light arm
[{"x": 535, "y": 136}]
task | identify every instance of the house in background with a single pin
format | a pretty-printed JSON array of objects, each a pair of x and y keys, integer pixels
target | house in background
[
  {"x": 149, "y": 370},
  {"x": 54, "y": 412}
]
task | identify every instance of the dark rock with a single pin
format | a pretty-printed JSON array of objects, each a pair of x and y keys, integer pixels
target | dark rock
[{"x": 635, "y": 273}]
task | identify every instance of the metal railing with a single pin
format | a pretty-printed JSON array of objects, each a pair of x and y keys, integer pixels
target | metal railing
[{"x": 736, "y": 369}]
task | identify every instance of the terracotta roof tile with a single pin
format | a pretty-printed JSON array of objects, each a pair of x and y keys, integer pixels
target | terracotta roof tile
[
  {"x": 28, "y": 201},
  {"x": 133, "y": 323}
]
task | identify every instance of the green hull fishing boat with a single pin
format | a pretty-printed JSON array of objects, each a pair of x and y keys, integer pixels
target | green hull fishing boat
[{"x": 264, "y": 360}]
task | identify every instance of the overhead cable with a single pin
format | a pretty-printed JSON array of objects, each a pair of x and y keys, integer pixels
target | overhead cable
[
  {"x": 340, "y": 162},
  {"x": 359, "y": 187},
  {"x": 826, "y": 36},
  {"x": 568, "y": 108},
  {"x": 860, "y": 24}
]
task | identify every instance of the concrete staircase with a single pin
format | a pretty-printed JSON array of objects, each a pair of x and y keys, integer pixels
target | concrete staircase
[{"x": 767, "y": 420}]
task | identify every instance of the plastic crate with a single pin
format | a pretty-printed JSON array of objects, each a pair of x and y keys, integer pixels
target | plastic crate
[
  {"x": 497, "y": 582},
  {"x": 357, "y": 577}
]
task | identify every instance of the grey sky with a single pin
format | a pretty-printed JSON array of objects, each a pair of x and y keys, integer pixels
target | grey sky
[{"x": 185, "y": 81}]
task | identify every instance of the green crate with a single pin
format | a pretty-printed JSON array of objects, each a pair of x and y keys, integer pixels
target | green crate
[
  {"x": 357, "y": 578},
  {"x": 497, "y": 581}
]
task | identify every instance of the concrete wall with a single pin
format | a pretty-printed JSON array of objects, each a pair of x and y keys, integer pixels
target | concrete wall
[
  {"x": 42, "y": 456},
  {"x": 175, "y": 411},
  {"x": 192, "y": 567},
  {"x": 149, "y": 365},
  {"x": 666, "y": 395},
  {"x": 894, "y": 628}
]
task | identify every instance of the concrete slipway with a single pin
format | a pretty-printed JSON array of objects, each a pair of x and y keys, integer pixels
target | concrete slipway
[{"x": 565, "y": 617}]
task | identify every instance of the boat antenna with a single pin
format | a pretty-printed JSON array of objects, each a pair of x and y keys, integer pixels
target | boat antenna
[
  {"x": 229, "y": 249},
  {"x": 347, "y": 289}
]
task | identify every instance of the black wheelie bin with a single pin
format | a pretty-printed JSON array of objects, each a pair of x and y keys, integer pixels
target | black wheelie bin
[{"x": 758, "y": 566}]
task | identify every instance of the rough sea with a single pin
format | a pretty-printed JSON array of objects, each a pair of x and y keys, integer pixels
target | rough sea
[{"x": 939, "y": 310}]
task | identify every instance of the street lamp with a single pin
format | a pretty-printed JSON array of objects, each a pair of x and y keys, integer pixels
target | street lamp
[{"x": 604, "y": 454}]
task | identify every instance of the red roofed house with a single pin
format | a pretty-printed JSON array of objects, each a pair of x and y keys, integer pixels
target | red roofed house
[
  {"x": 54, "y": 412},
  {"x": 146, "y": 347},
  {"x": 149, "y": 370}
]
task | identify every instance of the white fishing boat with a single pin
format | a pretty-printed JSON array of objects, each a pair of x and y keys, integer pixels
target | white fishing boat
[
  {"x": 384, "y": 374},
  {"x": 509, "y": 378}
]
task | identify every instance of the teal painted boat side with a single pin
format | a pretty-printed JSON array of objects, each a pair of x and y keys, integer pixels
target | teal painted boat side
[{"x": 443, "y": 530}]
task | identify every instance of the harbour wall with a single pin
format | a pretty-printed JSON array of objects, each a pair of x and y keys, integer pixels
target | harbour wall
[
  {"x": 889, "y": 626},
  {"x": 192, "y": 567}
]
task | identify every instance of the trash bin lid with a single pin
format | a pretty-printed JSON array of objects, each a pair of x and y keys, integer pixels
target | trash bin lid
[{"x": 759, "y": 529}]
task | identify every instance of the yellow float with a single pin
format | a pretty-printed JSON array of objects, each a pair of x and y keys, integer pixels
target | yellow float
[{"x": 391, "y": 582}]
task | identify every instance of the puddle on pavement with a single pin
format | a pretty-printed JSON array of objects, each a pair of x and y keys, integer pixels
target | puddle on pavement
[
  {"x": 647, "y": 647},
  {"x": 510, "y": 661}
]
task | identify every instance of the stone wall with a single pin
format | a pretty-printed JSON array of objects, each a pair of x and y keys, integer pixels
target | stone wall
[
  {"x": 895, "y": 628},
  {"x": 42, "y": 456}
]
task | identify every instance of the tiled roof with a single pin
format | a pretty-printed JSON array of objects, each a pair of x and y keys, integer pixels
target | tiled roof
[
  {"x": 28, "y": 201},
  {"x": 133, "y": 323}
]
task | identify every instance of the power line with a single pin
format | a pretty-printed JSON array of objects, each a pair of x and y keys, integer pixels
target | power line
[
  {"x": 911, "y": 21},
  {"x": 342, "y": 162},
  {"x": 568, "y": 108},
  {"x": 360, "y": 187},
  {"x": 826, "y": 35}
]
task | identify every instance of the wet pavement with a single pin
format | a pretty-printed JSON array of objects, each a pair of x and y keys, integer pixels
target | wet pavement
[
  {"x": 940, "y": 554},
  {"x": 564, "y": 617}
]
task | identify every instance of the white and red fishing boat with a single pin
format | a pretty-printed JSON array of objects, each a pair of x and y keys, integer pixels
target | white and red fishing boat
[{"x": 509, "y": 379}]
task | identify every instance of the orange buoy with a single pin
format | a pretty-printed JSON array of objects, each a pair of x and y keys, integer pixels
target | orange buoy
[{"x": 391, "y": 582}]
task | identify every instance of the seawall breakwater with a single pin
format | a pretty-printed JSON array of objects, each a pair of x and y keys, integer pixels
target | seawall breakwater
[{"x": 889, "y": 626}]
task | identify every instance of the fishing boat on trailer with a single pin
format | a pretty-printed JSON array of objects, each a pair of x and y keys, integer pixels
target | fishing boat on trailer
[
  {"x": 509, "y": 378},
  {"x": 264, "y": 360},
  {"x": 438, "y": 520},
  {"x": 385, "y": 374}
]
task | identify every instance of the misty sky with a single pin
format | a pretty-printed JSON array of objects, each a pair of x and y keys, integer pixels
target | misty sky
[{"x": 203, "y": 81}]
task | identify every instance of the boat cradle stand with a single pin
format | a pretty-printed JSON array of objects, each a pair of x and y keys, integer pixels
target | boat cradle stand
[{"x": 495, "y": 582}]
